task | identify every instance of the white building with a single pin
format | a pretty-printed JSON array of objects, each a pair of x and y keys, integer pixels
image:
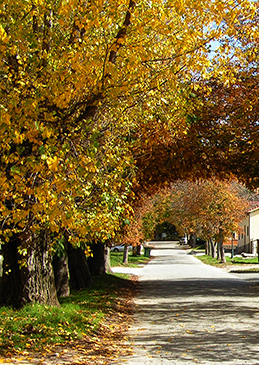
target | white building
[{"x": 247, "y": 239}]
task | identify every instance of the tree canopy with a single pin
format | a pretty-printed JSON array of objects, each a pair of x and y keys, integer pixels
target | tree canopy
[
  {"x": 87, "y": 89},
  {"x": 98, "y": 104},
  {"x": 203, "y": 208}
]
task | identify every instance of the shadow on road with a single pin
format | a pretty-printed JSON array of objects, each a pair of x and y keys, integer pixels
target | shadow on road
[
  {"x": 206, "y": 321},
  {"x": 195, "y": 287}
]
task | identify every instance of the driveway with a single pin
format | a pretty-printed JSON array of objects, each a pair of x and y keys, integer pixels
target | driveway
[{"x": 192, "y": 313}]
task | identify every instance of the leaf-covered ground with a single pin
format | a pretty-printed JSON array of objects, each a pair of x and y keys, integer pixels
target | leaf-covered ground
[{"x": 99, "y": 344}]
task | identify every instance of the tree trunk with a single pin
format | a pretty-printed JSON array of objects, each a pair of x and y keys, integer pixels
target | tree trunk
[
  {"x": 108, "y": 268},
  {"x": 222, "y": 253},
  {"x": 207, "y": 248},
  {"x": 213, "y": 248},
  {"x": 218, "y": 251},
  {"x": 39, "y": 275},
  {"x": 34, "y": 282},
  {"x": 99, "y": 263},
  {"x": 80, "y": 276},
  {"x": 11, "y": 293},
  {"x": 193, "y": 240},
  {"x": 125, "y": 254},
  {"x": 139, "y": 250},
  {"x": 61, "y": 273},
  {"x": 221, "y": 247},
  {"x": 134, "y": 251}
]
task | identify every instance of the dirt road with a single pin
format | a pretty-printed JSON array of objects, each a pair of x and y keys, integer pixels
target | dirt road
[{"x": 191, "y": 313}]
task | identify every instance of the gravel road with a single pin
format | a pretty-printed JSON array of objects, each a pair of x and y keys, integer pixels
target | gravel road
[{"x": 189, "y": 312}]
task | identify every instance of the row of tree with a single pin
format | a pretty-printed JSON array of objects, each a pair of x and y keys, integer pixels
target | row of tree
[
  {"x": 100, "y": 102},
  {"x": 208, "y": 209}
]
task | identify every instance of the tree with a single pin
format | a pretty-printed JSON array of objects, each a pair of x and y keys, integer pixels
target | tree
[
  {"x": 228, "y": 126},
  {"x": 82, "y": 86},
  {"x": 207, "y": 209},
  {"x": 99, "y": 261},
  {"x": 168, "y": 229}
]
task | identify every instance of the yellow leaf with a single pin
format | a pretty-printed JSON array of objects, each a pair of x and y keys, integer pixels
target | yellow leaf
[
  {"x": 3, "y": 34},
  {"x": 53, "y": 163}
]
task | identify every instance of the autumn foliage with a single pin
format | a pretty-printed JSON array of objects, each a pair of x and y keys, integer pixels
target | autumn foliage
[
  {"x": 96, "y": 101},
  {"x": 208, "y": 209}
]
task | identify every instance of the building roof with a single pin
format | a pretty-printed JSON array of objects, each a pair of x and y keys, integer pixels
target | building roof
[{"x": 253, "y": 205}]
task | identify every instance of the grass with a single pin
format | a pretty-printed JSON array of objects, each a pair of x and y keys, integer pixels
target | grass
[
  {"x": 230, "y": 262},
  {"x": 37, "y": 327},
  {"x": 213, "y": 262},
  {"x": 199, "y": 248},
  {"x": 133, "y": 261},
  {"x": 240, "y": 260}
]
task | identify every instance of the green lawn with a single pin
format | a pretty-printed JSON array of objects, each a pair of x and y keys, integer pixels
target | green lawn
[
  {"x": 230, "y": 262},
  {"x": 133, "y": 261},
  {"x": 80, "y": 316},
  {"x": 240, "y": 260}
]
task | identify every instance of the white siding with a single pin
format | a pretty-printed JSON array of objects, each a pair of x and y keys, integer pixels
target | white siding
[
  {"x": 254, "y": 225},
  {"x": 250, "y": 232},
  {"x": 243, "y": 239}
]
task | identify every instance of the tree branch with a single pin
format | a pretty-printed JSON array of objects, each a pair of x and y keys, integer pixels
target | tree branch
[{"x": 121, "y": 34}]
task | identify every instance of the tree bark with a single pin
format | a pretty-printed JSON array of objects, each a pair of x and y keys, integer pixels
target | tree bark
[
  {"x": 139, "y": 250},
  {"x": 39, "y": 274},
  {"x": 134, "y": 251},
  {"x": 99, "y": 263},
  {"x": 207, "y": 248},
  {"x": 80, "y": 276},
  {"x": 221, "y": 247},
  {"x": 34, "y": 282},
  {"x": 222, "y": 253},
  {"x": 108, "y": 268},
  {"x": 193, "y": 240},
  {"x": 218, "y": 251},
  {"x": 61, "y": 273},
  {"x": 125, "y": 254},
  {"x": 213, "y": 249}
]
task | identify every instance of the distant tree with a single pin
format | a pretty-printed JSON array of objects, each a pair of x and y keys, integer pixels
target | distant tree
[{"x": 209, "y": 209}]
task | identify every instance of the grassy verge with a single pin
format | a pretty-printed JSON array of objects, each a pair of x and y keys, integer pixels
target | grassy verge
[
  {"x": 240, "y": 260},
  {"x": 133, "y": 261},
  {"x": 93, "y": 316},
  {"x": 231, "y": 263},
  {"x": 99, "y": 314}
]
